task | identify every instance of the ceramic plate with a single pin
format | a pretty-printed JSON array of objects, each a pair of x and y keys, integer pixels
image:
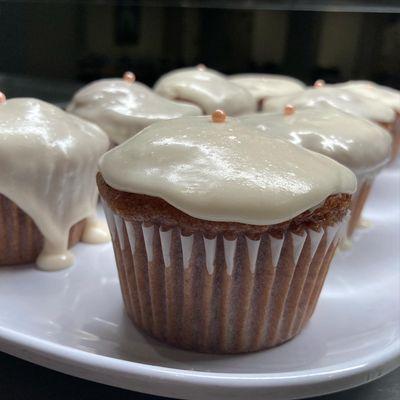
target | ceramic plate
[{"x": 73, "y": 321}]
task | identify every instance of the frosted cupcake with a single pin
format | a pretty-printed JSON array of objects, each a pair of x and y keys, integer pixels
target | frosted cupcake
[
  {"x": 265, "y": 86},
  {"x": 223, "y": 236},
  {"x": 123, "y": 107},
  {"x": 48, "y": 190},
  {"x": 380, "y": 94},
  {"x": 360, "y": 145},
  {"x": 206, "y": 88}
]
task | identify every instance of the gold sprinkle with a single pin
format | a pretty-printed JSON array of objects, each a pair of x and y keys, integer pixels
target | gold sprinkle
[
  {"x": 129, "y": 77},
  {"x": 218, "y": 116},
  {"x": 319, "y": 83},
  {"x": 289, "y": 109}
]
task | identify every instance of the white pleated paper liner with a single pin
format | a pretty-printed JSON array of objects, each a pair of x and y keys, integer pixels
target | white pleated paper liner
[{"x": 219, "y": 295}]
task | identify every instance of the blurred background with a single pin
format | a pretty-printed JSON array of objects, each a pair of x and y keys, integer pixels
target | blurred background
[{"x": 49, "y": 48}]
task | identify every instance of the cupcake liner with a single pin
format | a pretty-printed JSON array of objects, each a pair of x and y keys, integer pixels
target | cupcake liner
[
  {"x": 396, "y": 137},
  {"x": 357, "y": 204},
  {"x": 20, "y": 239},
  {"x": 219, "y": 294}
]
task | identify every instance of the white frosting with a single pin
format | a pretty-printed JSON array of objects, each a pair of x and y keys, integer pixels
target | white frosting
[
  {"x": 383, "y": 94},
  {"x": 122, "y": 108},
  {"x": 51, "y": 162},
  {"x": 224, "y": 171},
  {"x": 354, "y": 142},
  {"x": 206, "y": 88},
  {"x": 336, "y": 97},
  {"x": 263, "y": 86}
]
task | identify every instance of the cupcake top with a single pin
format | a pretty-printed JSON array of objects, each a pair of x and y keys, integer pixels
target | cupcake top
[
  {"x": 51, "y": 160},
  {"x": 219, "y": 169},
  {"x": 123, "y": 107},
  {"x": 341, "y": 99},
  {"x": 383, "y": 94},
  {"x": 354, "y": 142},
  {"x": 263, "y": 86},
  {"x": 206, "y": 88}
]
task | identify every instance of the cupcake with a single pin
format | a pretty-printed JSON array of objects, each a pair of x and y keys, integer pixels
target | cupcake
[
  {"x": 48, "y": 195},
  {"x": 206, "y": 88},
  {"x": 265, "y": 86},
  {"x": 381, "y": 94},
  {"x": 123, "y": 107},
  {"x": 359, "y": 144},
  {"x": 340, "y": 98},
  {"x": 222, "y": 235}
]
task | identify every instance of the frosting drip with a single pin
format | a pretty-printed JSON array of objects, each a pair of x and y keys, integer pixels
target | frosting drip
[
  {"x": 122, "y": 107},
  {"x": 206, "y": 88},
  {"x": 263, "y": 86},
  {"x": 341, "y": 99},
  {"x": 51, "y": 162},
  {"x": 224, "y": 171},
  {"x": 354, "y": 142}
]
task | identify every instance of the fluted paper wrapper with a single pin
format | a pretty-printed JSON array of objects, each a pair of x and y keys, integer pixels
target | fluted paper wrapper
[
  {"x": 20, "y": 239},
  {"x": 357, "y": 205},
  {"x": 219, "y": 295}
]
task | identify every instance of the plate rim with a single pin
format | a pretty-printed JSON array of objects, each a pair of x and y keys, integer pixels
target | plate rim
[{"x": 31, "y": 349}]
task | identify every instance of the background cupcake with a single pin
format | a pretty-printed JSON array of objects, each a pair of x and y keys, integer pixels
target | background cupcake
[
  {"x": 123, "y": 107},
  {"x": 380, "y": 94},
  {"x": 48, "y": 195},
  {"x": 264, "y": 86},
  {"x": 360, "y": 145},
  {"x": 222, "y": 236},
  {"x": 206, "y": 88}
]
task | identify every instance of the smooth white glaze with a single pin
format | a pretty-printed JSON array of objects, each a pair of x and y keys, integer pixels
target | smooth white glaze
[
  {"x": 383, "y": 94},
  {"x": 206, "y": 88},
  {"x": 122, "y": 108},
  {"x": 48, "y": 160},
  {"x": 264, "y": 86},
  {"x": 341, "y": 99},
  {"x": 224, "y": 171},
  {"x": 355, "y": 142}
]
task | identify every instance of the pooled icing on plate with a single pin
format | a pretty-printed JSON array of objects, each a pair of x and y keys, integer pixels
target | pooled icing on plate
[
  {"x": 206, "y": 88},
  {"x": 123, "y": 107},
  {"x": 48, "y": 160},
  {"x": 221, "y": 170}
]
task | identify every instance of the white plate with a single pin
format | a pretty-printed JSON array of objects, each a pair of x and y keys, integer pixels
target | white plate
[{"x": 73, "y": 321}]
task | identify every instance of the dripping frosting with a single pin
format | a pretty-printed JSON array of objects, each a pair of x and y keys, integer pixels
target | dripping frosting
[
  {"x": 51, "y": 162},
  {"x": 224, "y": 171},
  {"x": 123, "y": 107}
]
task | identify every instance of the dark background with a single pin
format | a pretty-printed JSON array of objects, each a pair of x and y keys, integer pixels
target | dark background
[{"x": 85, "y": 40}]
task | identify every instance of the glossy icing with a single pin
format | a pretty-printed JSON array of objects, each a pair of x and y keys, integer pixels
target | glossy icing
[
  {"x": 341, "y": 99},
  {"x": 206, "y": 88},
  {"x": 264, "y": 86},
  {"x": 123, "y": 107},
  {"x": 51, "y": 162},
  {"x": 383, "y": 94},
  {"x": 354, "y": 142},
  {"x": 224, "y": 171}
]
